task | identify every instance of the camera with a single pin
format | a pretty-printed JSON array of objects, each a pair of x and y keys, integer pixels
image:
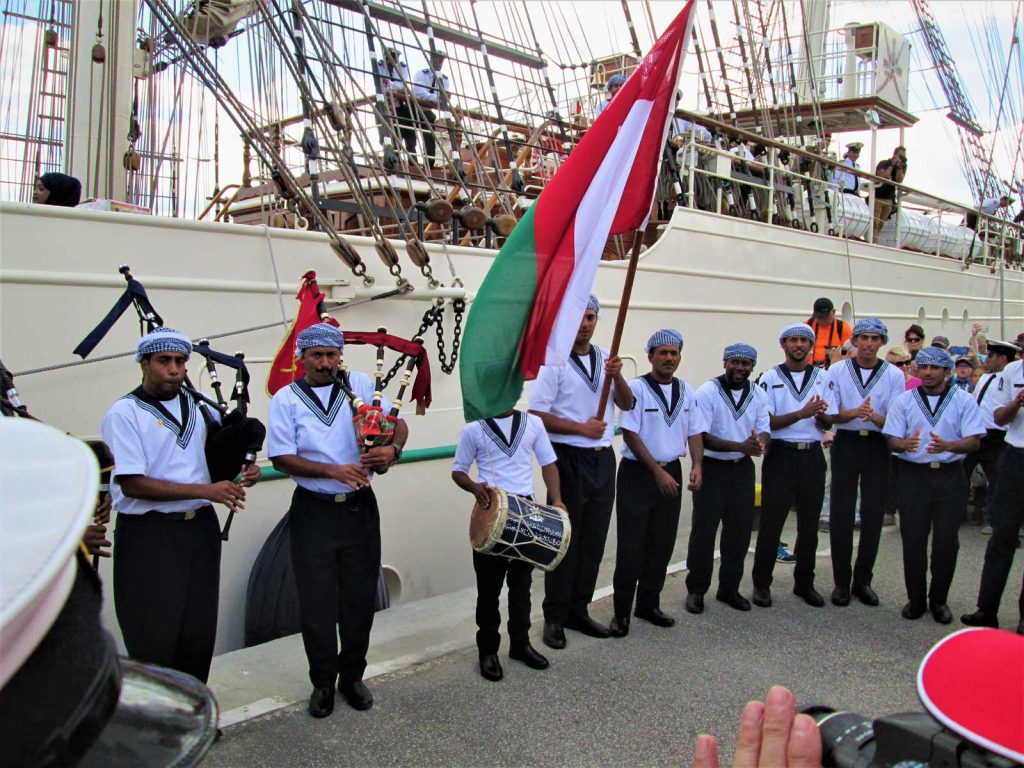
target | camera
[{"x": 907, "y": 740}]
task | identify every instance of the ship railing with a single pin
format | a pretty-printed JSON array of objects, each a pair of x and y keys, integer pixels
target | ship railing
[{"x": 993, "y": 240}]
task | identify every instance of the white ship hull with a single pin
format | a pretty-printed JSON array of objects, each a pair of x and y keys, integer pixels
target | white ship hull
[{"x": 716, "y": 279}]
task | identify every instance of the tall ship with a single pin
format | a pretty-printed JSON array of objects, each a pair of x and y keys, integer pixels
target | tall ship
[{"x": 227, "y": 147}]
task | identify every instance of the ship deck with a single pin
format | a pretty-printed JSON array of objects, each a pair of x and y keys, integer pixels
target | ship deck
[{"x": 635, "y": 701}]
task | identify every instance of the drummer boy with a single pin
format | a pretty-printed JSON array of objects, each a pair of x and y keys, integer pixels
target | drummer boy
[{"x": 503, "y": 449}]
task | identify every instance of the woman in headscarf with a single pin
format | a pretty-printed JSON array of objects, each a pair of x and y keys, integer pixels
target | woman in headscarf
[{"x": 57, "y": 189}]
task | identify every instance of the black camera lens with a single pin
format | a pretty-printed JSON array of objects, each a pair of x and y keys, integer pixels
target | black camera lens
[{"x": 847, "y": 739}]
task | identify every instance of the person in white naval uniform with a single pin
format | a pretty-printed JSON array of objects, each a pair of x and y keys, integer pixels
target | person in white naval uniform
[
  {"x": 793, "y": 471},
  {"x": 333, "y": 521},
  {"x": 566, "y": 398},
  {"x": 860, "y": 390},
  {"x": 930, "y": 428},
  {"x": 503, "y": 449},
  {"x": 736, "y": 427},
  {"x": 1008, "y": 507},
  {"x": 430, "y": 87},
  {"x": 664, "y": 425}
]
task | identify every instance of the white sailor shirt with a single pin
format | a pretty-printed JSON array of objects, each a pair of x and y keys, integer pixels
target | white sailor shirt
[
  {"x": 503, "y": 449},
  {"x": 573, "y": 391},
  {"x": 849, "y": 385},
  {"x": 391, "y": 78},
  {"x": 664, "y": 417},
  {"x": 315, "y": 423},
  {"x": 680, "y": 126},
  {"x": 789, "y": 391},
  {"x": 984, "y": 396},
  {"x": 1009, "y": 386},
  {"x": 161, "y": 439},
  {"x": 731, "y": 414},
  {"x": 952, "y": 415},
  {"x": 846, "y": 181},
  {"x": 425, "y": 83}
]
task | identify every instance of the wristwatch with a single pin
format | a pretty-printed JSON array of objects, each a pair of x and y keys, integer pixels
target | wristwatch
[{"x": 398, "y": 452}]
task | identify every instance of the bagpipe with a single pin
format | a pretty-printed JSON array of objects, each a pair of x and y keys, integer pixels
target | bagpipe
[{"x": 233, "y": 438}]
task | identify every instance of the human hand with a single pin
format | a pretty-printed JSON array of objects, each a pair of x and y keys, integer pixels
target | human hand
[
  {"x": 771, "y": 735},
  {"x": 352, "y": 475},
  {"x": 95, "y": 540},
  {"x": 752, "y": 446},
  {"x": 913, "y": 443},
  {"x": 814, "y": 407},
  {"x": 613, "y": 366},
  {"x": 378, "y": 457},
  {"x": 101, "y": 515},
  {"x": 250, "y": 474},
  {"x": 667, "y": 484},
  {"x": 482, "y": 492},
  {"x": 230, "y": 494},
  {"x": 561, "y": 505},
  {"x": 865, "y": 411},
  {"x": 593, "y": 428},
  {"x": 937, "y": 444},
  {"x": 696, "y": 478}
]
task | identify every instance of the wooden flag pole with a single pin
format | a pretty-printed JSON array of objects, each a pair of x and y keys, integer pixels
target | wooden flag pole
[{"x": 620, "y": 320}]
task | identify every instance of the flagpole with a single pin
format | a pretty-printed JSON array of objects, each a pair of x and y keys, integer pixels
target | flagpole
[{"x": 620, "y": 320}]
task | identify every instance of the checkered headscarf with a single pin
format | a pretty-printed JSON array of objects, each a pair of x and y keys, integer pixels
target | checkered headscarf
[
  {"x": 163, "y": 340},
  {"x": 871, "y": 325},
  {"x": 797, "y": 330},
  {"x": 594, "y": 304},
  {"x": 665, "y": 337},
  {"x": 319, "y": 335},
  {"x": 934, "y": 356},
  {"x": 740, "y": 350}
]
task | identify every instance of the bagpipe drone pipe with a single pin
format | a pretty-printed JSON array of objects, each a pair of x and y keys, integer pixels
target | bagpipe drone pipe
[{"x": 233, "y": 438}]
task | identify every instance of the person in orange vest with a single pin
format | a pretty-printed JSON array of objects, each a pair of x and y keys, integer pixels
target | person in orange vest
[{"x": 830, "y": 334}]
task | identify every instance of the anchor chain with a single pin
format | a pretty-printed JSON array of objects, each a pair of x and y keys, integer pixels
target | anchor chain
[{"x": 435, "y": 316}]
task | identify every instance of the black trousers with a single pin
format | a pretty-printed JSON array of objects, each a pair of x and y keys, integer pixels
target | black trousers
[
  {"x": 407, "y": 125},
  {"x": 726, "y": 497},
  {"x": 935, "y": 501},
  {"x": 587, "y": 479},
  {"x": 646, "y": 523},
  {"x": 789, "y": 477},
  {"x": 987, "y": 456},
  {"x": 491, "y": 572},
  {"x": 1007, "y": 518},
  {"x": 864, "y": 460},
  {"x": 336, "y": 557},
  {"x": 166, "y": 588}
]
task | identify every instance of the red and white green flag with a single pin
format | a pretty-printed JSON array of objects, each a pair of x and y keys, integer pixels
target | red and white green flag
[{"x": 529, "y": 306}]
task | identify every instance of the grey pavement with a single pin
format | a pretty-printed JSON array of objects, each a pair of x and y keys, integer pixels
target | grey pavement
[{"x": 637, "y": 701}]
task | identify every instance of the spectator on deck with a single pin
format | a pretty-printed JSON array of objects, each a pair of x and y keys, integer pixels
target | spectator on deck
[
  {"x": 57, "y": 189},
  {"x": 893, "y": 169}
]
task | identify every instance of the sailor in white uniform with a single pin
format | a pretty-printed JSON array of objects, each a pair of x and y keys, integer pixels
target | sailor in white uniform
[
  {"x": 334, "y": 521},
  {"x": 430, "y": 87},
  {"x": 1000, "y": 354},
  {"x": 663, "y": 426},
  {"x": 167, "y": 540},
  {"x": 394, "y": 75},
  {"x": 847, "y": 182},
  {"x": 503, "y": 449},
  {"x": 793, "y": 472},
  {"x": 736, "y": 427},
  {"x": 566, "y": 398},
  {"x": 930, "y": 428},
  {"x": 860, "y": 391},
  {"x": 1008, "y": 507}
]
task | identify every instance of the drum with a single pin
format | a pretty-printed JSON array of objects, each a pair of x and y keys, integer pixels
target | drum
[{"x": 521, "y": 529}]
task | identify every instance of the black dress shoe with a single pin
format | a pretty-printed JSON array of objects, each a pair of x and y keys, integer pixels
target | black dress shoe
[
  {"x": 619, "y": 626},
  {"x": 529, "y": 656},
  {"x": 912, "y": 611},
  {"x": 761, "y": 598},
  {"x": 356, "y": 694},
  {"x": 695, "y": 602},
  {"x": 865, "y": 594},
  {"x": 554, "y": 635},
  {"x": 321, "y": 703},
  {"x": 941, "y": 613},
  {"x": 980, "y": 619},
  {"x": 656, "y": 617},
  {"x": 810, "y": 596},
  {"x": 490, "y": 667},
  {"x": 587, "y": 626},
  {"x": 841, "y": 596},
  {"x": 1020, "y": 627},
  {"x": 734, "y": 600}
]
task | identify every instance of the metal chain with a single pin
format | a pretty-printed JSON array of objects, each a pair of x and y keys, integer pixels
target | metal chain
[{"x": 435, "y": 316}]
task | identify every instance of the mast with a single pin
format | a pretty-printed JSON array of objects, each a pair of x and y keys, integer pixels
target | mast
[{"x": 99, "y": 103}]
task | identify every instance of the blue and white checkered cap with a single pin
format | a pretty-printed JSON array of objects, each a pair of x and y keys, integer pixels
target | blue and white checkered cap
[
  {"x": 319, "y": 335},
  {"x": 797, "y": 330},
  {"x": 594, "y": 304},
  {"x": 934, "y": 356},
  {"x": 740, "y": 350},
  {"x": 871, "y": 325},
  {"x": 615, "y": 80},
  {"x": 163, "y": 340},
  {"x": 665, "y": 337}
]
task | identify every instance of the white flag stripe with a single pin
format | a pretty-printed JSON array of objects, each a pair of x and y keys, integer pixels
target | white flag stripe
[{"x": 591, "y": 226}]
